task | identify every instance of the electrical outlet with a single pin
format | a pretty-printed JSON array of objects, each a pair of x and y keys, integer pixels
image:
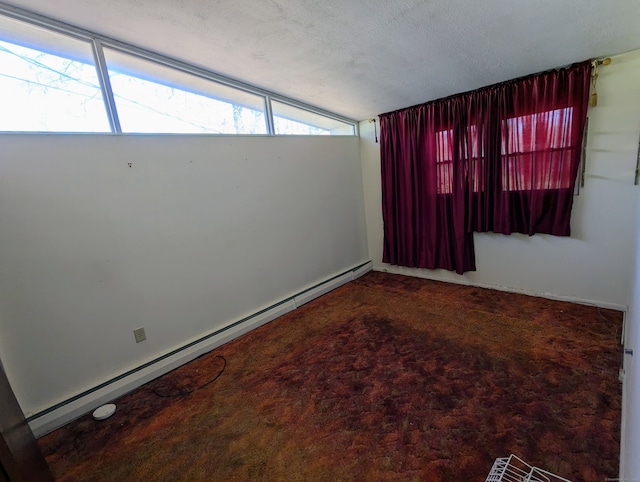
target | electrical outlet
[{"x": 139, "y": 334}]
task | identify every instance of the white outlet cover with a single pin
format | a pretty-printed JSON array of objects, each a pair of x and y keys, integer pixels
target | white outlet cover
[{"x": 104, "y": 411}]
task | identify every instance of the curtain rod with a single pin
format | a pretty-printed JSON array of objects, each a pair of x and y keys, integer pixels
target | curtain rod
[{"x": 497, "y": 84}]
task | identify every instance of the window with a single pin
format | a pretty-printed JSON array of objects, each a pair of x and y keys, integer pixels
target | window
[
  {"x": 151, "y": 97},
  {"x": 48, "y": 82},
  {"x": 471, "y": 150},
  {"x": 444, "y": 161},
  {"x": 291, "y": 120},
  {"x": 58, "y": 78},
  {"x": 537, "y": 151}
]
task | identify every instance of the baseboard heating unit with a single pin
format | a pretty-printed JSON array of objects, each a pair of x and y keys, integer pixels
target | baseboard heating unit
[{"x": 89, "y": 399}]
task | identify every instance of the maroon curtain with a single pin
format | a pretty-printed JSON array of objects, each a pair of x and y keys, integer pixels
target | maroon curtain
[{"x": 502, "y": 159}]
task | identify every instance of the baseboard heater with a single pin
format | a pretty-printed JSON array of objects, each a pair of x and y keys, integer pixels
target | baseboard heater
[{"x": 84, "y": 402}]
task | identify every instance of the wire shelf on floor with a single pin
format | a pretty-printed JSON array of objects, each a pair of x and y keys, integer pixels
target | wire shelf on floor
[{"x": 514, "y": 469}]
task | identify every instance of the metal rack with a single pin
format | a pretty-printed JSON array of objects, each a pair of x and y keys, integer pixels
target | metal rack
[{"x": 514, "y": 469}]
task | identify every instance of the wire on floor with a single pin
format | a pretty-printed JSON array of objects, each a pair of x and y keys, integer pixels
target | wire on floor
[{"x": 186, "y": 391}]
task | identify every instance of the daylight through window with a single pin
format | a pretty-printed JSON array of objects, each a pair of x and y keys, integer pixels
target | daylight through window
[
  {"x": 154, "y": 98},
  {"x": 47, "y": 82},
  {"x": 50, "y": 82}
]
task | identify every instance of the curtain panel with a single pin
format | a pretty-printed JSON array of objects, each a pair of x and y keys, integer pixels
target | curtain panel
[{"x": 501, "y": 159}]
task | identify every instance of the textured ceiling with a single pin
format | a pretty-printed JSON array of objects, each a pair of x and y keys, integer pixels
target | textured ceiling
[{"x": 361, "y": 58}]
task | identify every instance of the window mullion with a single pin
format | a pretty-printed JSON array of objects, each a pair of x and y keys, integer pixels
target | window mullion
[
  {"x": 269, "y": 115},
  {"x": 105, "y": 85}
]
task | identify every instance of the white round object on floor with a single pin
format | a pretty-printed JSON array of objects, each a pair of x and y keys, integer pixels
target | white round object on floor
[{"x": 105, "y": 411}]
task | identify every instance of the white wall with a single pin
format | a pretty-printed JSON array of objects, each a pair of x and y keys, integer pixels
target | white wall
[
  {"x": 197, "y": 233},
  {"x": 594, "y": 264},
  {"x": 630, "y": 462}
]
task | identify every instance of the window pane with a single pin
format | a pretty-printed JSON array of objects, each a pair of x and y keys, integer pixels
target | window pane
[
  {"x": 536, "y": 151},
  {"x": 539, "y": 131},
  {"x": 48, "y": 82},
  {"x": 444, "y": 161},
  {"x": 289, "y": 120},
  {"x": 151, "y": 97}
]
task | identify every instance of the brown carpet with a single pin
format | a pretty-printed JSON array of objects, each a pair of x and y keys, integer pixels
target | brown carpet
[{"x": 388, "y": 378}]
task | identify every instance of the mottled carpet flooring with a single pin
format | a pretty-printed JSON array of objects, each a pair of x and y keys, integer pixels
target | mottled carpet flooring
[{"x": 388, "y": 378}]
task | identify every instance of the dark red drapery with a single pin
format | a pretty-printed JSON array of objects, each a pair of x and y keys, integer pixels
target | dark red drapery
[{"x": 502, "y": 159}]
